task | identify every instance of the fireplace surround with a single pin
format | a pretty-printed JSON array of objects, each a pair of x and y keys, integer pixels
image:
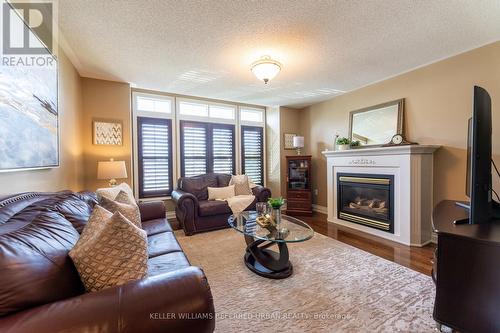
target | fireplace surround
[
  {"x": 410, "y": 169},
  {"x": 366, "y": 199}
]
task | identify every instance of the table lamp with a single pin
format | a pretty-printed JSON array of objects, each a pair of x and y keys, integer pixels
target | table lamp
[
  {"x": 111, "y": 170},
  {"x": 298, "y": 143}
]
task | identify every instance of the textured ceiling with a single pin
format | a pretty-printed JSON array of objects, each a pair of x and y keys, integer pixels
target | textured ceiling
[{"x": 205, "y": 48}]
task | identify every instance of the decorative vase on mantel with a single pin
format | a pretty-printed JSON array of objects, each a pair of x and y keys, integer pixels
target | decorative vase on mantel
[{"x": 343, "y": 147}]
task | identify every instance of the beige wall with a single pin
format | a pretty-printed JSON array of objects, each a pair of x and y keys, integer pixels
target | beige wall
[
  {"x": 438, "y": 103},
  {"x": 289, "y": 123},
  {"x": 105, "y": 100},
  {"x": 68, "y": 174},
  {"x": 273, "y": 151}
]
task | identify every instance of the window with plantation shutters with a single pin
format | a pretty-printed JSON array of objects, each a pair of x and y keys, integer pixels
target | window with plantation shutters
[
  {"x": 154, "y": 139},
  {"x": 206, "y": 147},
  {"x": 252, "y": 153},
  {"x": 194, "y": 153}
]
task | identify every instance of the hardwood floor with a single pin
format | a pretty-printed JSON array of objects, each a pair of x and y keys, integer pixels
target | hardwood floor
[{"x": 416, "y": 258}]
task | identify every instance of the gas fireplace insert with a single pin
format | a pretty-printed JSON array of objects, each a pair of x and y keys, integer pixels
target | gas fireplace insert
[{"x": 366, "y": 199}]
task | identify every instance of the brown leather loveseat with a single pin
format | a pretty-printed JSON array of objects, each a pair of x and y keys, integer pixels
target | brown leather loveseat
[
  {"x": 40, "y": 290},
  {"x": 196, "y": 213}
]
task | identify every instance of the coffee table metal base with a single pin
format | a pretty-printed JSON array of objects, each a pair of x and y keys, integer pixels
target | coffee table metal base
[{"x": 267, "y": 263}]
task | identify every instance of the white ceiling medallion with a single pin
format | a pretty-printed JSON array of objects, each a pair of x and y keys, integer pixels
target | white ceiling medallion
[{"x": 266, "y": 68}]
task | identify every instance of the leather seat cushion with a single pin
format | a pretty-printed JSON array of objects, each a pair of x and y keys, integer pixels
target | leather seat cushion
[
  {"x": 167, "y": 263},
  {"x": 162, "y": 243},
  {"x": 213, "y": 207},
  {"x": 156, "y": 226}
]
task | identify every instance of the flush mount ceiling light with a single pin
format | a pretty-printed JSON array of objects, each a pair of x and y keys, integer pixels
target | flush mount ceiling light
[{"x": 266, "y": 68}]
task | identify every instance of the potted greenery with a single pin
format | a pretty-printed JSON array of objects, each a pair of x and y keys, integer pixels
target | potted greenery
[
  {"x": 276, "y": 204},
  {"x": 343, "y": 143},
  {"x": 355, "y": 143}
]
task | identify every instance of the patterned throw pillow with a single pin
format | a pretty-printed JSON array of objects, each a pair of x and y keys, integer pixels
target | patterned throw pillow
[
  {"x": 241, "y": 186},
  {"x": 124, "y": 205},
  {"x": 112, "y": 192},
  {"x": 220, "y": 193},
  {"x": 111, "y": 251}
]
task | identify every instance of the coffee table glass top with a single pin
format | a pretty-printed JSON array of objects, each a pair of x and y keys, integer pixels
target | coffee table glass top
[{"x": 290, "y": 229}]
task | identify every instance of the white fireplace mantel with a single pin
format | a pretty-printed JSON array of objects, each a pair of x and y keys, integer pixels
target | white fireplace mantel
[{"x": 412, "y": 168}]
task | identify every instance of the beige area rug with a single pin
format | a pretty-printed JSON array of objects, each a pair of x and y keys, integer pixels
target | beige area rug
[{"x": 334, "y": 288}]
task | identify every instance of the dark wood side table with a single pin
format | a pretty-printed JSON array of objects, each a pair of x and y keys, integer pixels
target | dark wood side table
[
  {"x": 298, "y": 185},
  {"x": 466, "y": 271}
]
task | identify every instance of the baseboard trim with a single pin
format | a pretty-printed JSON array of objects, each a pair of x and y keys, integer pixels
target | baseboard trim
[{"x": 320, "y": 209}]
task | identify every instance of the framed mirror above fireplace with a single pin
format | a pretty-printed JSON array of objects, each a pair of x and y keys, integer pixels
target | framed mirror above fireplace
[{"x": 375, "y": 126}]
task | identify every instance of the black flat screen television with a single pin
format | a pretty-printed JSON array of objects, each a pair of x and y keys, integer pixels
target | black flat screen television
[{"x": 482, "y": 208}]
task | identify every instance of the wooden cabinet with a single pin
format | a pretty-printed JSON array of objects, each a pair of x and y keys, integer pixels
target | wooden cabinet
[
  {"x": 466, "y": 271},
  {"x": 298, "y": 185}
]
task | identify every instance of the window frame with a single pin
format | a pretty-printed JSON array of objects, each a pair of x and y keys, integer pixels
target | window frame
[{"x": 140, "y": 158}]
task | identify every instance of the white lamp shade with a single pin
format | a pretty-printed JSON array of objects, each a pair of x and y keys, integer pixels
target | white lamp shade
[
  {"x": 298, "y": 142},
  {"x": 266, "y": 69},
  {"x": 111, "y": 170}
]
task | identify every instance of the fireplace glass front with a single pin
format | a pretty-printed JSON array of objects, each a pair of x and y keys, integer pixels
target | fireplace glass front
[{"x": 366, "y": 199}]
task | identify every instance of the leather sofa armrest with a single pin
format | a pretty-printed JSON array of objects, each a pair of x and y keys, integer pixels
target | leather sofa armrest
[
  {"x": 261, "y": 193},
  {"x": 186, "y": 210},
  {"x": 151, "y": 210},
  {"x": 154, "y": 304}
]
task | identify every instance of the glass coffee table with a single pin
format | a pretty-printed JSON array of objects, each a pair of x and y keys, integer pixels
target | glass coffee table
[{"x": 258, "y": 257}]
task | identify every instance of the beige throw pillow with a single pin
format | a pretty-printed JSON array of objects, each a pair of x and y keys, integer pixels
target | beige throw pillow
[
  {"x": 124, "y": 205},
  {"x": 220, "y": 193},
  {"x": 112, "y": 192},
  {"x": 111, "y": 251},
  {"x": 241, "y": 186}
]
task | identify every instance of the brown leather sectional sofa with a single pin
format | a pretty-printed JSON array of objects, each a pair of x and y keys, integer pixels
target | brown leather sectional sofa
[
  {"x": 41, "y": 292},
  {"x": 196, "y": 213}
]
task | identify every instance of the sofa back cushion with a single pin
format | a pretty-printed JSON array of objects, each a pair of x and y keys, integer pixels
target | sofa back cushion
[
  {"x": 198, "y": 185},
  {"x": 35, "y": 268},
  {"x": 34, "y": 262},
  {"x": 223, "y": 179}
]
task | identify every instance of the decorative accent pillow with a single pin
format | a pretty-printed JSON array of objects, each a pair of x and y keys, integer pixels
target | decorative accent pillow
[
  {"x": 241, "y": 186},
  {"x": 111, "y": 251},
  {"x": 99, "y": 216},
  {"x": 112, "y": 192},
  {"x": 220, "y": 193},
  {"x": 124, "y": 205}
]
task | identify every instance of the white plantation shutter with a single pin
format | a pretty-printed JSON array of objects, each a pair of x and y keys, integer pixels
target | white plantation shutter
[
  {"x": 252, "y": 153},
  {"x": 206, "y": 147},
  {"x": 223, "y": 149},
  {"x": 154, "y": 156}
]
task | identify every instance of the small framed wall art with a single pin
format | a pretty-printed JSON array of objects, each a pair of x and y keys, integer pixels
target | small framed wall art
[
  {"x": 289, "y": 141},
  {"x": 107, "y": 132}
]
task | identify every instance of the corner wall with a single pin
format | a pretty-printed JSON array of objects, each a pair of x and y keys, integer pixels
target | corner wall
[
  {"x": 438, "y": 101},
  {"x": 105, "y": 100}
]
